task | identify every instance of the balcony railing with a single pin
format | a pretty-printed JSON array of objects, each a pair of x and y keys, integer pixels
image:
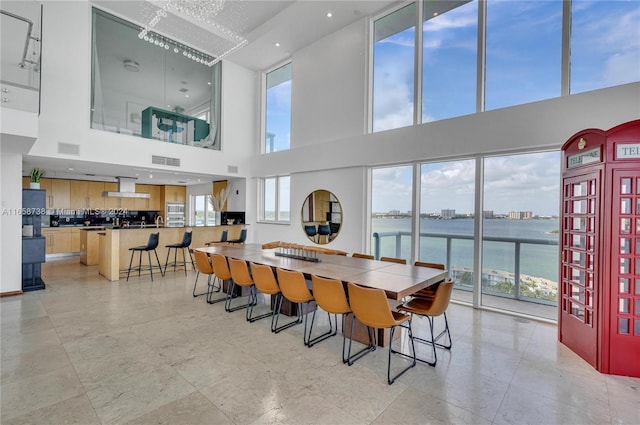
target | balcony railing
[{"x": 488, "y": 276}]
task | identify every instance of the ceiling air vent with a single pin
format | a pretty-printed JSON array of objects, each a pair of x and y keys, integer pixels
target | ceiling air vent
[
  {"x": 68, "y": 148},
  {"x": 232, "y": 169},
  {"x": 165, "y": 160}
]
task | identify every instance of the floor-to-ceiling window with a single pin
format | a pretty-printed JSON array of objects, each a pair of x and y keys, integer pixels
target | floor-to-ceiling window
[
  {"x": 523, "y": 52},
  {"x": 393, "y": 69},
  {"x": 520, "y": 254},
  {"x": 447, "y": 202},
  {"x": 519, "y": 221},
  {"x": 472, "y": 56},
  {"x": 278, "y": 109},
  {"x": 449, "y": 59},
  {"x": 391, "y": 207},
  {"x": 605, "y": 44}
]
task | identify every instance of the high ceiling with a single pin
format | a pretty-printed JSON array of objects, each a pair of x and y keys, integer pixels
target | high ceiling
[{"x": 292, "y": 24}]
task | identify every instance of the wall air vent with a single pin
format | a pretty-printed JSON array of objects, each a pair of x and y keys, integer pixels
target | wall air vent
[
  {"x": 165, "y": 160},
  {"x": 232, "y": 169},
  {"x": 68, "y": 148}
]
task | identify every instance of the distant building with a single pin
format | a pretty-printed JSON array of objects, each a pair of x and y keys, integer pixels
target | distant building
[
  {"x": 520, "y": 215},
  {"x": 448, "y": 213},
  {"x": 487, "y": 214},
  {"x": 394, "y": 212}
]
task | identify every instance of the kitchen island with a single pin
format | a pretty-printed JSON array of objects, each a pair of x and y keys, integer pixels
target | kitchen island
[{"x": 114, "y": 244}]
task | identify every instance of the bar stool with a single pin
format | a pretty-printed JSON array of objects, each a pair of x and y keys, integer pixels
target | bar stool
[
  {"x": 241, "y": 238},
  {"x": 186, "y": 242},
  {"x": 151, "y": 245},
  {"x": 223, "y": 238},
  {"x": 311, "y": 231}
]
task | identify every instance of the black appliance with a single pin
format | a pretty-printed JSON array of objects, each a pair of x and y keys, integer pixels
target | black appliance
[
  {"x": 238, "y": 217},
  {"x": 54, "y": 221}
]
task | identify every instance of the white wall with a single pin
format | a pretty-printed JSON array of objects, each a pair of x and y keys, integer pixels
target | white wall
[
  {"x": 348, "y": 185},
  {"x": 66, "y": 94},
  {"x": 11, "y": 149},
  {"x": 328, "y": 87}
]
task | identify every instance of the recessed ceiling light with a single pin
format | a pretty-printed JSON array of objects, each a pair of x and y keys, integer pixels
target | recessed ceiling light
[
  {"x": 329, "y": 14},
  {"x": 168, "y": 106},
  {"x": 435, "y": 14},
  {"x": 277, "y": 44},
  {"x": 186, "y": 95},
  {"x": 70, "y": 169},
  {"x": 209, "y": 82}
]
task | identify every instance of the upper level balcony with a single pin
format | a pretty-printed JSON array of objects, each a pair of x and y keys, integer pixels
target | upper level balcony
[{"x": 21, "y": 51}]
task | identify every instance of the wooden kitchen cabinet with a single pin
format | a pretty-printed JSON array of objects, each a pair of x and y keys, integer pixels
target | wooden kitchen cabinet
[
  {"x": 153, "y": 203},
  {"x": 58, "y": 240},
  {"x": 58, "y": 193},
  {"x": 175, "y": 194},
  {"x": 86, "y": 195},
  {"x": 75, "y": 239},
  {"x": 79, "y": 194}
]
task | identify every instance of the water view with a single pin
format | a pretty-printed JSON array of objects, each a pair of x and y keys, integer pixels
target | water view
[{"x": 538, "y": 260}]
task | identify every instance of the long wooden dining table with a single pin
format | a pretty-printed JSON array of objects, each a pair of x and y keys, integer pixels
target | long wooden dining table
[{"x": 397, "y": 280}]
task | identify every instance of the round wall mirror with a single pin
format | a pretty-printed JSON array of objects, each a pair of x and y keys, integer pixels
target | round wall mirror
[{"x": 321, "y": 216}]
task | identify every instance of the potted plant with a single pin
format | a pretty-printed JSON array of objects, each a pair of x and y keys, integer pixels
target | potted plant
[
  {"x": 218, "y": 202},
  {"x": 36, "y": 175}
]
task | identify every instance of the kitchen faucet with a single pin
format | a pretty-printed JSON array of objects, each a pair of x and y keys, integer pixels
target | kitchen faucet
[{"x": 159, "y": 220}]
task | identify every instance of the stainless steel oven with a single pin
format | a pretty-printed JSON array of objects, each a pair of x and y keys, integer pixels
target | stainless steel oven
[{"x": 175, "y": 214}]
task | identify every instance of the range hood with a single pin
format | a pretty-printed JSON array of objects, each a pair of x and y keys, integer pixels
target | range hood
[{"x": 126, "y": 189}]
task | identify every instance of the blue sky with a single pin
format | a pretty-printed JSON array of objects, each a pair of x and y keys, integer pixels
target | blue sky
[{"x": 605, "y": 51}]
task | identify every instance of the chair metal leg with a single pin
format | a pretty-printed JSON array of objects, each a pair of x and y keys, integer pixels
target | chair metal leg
[
  {"x": 433, "y": 341},
  {"x": 166, "y": 262},
  {"x": 274, "y": 325},
  {"x": 139, "y": 263},
  {"x": 130, "y": 262},
  {"x": 367, "y": 349},
  {"x": 210, "y": 292},
  {"x": 250, "y": 317},
  {"x": 196, "y": 284},
  {"x": 331, "y": 332},
  {"x": 158, "y": 260},
  {"x": 227, "y": 305},
  {"x": 150, "y": 266},
  {"x": 184, "y": 261},
  {"x": 391, "y": 380}
]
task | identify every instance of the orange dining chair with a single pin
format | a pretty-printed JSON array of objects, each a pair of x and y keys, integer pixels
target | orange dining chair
[
  {"x": 371, "y": 307},
  {"x": 431, "y": 308},
  {"x": 429, "y": 291},
  {"x": 240, "y": 277},
  {"x": 394, "y": 260},
  {"x": 365, "y": 256},
  {"x": 330, "y": 296},
  {"x": 203, "y": 265},
  {"x": 265, "y": 281},
  {"x": 294, "y": 288},
  {"x": 222, "y": 274}
]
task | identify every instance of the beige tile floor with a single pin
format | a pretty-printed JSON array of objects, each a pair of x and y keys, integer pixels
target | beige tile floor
[{"x": 87, "y": 351}]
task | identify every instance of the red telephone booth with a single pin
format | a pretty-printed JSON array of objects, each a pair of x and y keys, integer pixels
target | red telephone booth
[{"x": 599, "y": 302}]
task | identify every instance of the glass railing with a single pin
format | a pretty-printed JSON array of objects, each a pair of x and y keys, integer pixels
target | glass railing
[
  {"x": 513, "y": 283},
  {"x": 20, "y": 62}
]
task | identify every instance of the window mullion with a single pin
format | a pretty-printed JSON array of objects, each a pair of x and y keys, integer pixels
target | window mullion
[
  {"x": 482, "y": 55},
  {"x": 417, "y": 69}
]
